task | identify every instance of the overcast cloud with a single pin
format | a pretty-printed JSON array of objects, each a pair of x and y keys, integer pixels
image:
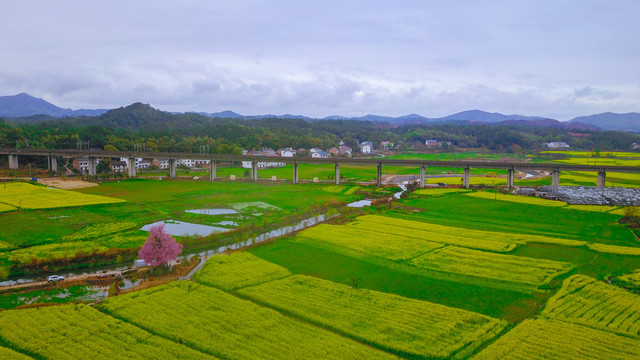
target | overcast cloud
[{"x": 558, "y": 59}]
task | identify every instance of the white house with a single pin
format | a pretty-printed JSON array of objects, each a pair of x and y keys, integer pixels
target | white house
[
  {"x": 366, "y": 147},
  {"x": 556, "y": 145},
  {"x": 320, "y": 154}
]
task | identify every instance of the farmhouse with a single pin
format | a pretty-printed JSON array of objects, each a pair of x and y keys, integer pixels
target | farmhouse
[
  {"x": 366, "y": 147},
  {"x": 556, "y": 145},
  {"x": 320, "y": 155}
]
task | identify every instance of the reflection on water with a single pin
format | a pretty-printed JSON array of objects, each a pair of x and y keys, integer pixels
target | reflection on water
[
  {"x": 212, "y": 211},
  {"x": 181, "y": 228}
]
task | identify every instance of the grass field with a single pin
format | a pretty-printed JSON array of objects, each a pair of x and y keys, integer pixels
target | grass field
[
  {"x": 583, "y": 300},
  {"x": 517, "y": 199},
  {"x": 220, "y": 324},
  {"x": 69, "y": 228},
  {"x": 238, "y": 270},
  {"x": 80, "y": 331},
  {"x": 549, "y": 339},
  {"x": 401, "y": 325},
  {"x": 28, "y": 196}
]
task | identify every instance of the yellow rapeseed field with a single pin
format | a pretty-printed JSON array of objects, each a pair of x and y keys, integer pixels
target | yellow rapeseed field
[
  {"x": 633, "y": 278},
  {"x": 499, "y": 267},
  {"x": 228, "y": 327},
  {"x": 237, "y": 270},
  {"x": 440, "y": 191},
  {"x": 81, "y": 332},
  {"x": 8, "y": 354},
  {"x": 586, "y": 301},
  {"x": 476, "y": 239},
  {"x": 368, "y": 242},
  {"x": 405, "y": 326},
  {"x": 28, "y": 196},
  {"x": 615, "y": 249},
  {"x": 549, "y": 339},
  {"x": 516, "y": 199},
  {"x": 5, "y": 207}
]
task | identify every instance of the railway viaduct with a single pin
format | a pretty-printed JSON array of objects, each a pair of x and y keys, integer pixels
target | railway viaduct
[{"x": 555, "y": 168}]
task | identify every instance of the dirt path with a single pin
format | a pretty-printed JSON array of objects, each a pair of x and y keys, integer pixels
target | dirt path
[{"x": 65, "y": 184}]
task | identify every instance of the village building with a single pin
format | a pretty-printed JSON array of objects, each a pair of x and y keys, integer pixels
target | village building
[
  {"x": 366, "y": 147},
  {"x": 320, "y": 154},
  {"x": 118, "y": 166},
  {"x": 556, "y": 145},
  {"x": 344, "y": 150}
]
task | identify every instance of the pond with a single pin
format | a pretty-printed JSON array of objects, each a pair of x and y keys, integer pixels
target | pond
[
  {"x": 212, "y": 211},
  {"x": 181, "y": 228}
]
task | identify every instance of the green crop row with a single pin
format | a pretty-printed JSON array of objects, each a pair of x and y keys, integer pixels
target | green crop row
[
  {"x": 99, "y": 230},
  {"x": 585, "y": 301},
  {"x": 223, "y": 325},
  {"x": 237, "y": 270},
  {"x": 402, "y": 325}
]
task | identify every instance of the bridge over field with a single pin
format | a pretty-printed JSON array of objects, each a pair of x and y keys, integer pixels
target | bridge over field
[{"x": 54, "y": 154}]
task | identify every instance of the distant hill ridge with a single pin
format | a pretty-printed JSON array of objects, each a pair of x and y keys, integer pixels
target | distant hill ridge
[{"x": 28, "y": 107}]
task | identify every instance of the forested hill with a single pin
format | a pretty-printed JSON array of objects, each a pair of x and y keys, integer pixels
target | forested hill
[{"x": 140, "y": 123}]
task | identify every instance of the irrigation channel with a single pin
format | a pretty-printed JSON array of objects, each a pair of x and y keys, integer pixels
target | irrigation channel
[{"x": 204, "y": 255}]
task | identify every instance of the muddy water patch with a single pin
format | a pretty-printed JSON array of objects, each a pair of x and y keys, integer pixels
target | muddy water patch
[
  {"x": 215, "y": 211},
  {"x": 181, "y": 228}
]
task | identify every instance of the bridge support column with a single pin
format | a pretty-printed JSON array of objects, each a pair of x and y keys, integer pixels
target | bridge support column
[
  {"x": 602, "y": 178},
  {"x": 465, "y": 181},
  {"x": 13, "y": 161},
  {"x": 212, "y": 170},
  {"x": 254, "y": 170},
  {"x": 337, "y": 175},
  {"x": 131, "y": 167},
  {"x": 379, "y": 176},
  {"x": 555, "y": 177},
  {"x": 422, "y": 176},
  {"x": 53, "y": 163},
  {"x": 92, "y": 166},
  {"x": 295, "y": 172},
  {"x": 510, "y": 178},
  {"x": 172, "y": 168}
]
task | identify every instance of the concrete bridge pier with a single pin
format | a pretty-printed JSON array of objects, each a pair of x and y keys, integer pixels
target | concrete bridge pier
[
  {"x": 510, "y": 177},
  {"x": 602, "y": 178},
  {"x": 422, "y": 176},
  {"x": 13, "y": 161},
  {"x": 92, "y": 166},
  {"x": 295, "y": 172},
  {"x": 212, "y": 170},
  {"x": 52, "y": 162},
  {"x": 131, "y": 167},
  {"x": 172, "y": 168},
  {"x": 555, "y": 177},
  {"x": 465, "y": 182},
  {"x": 254, "y": 170},
  {"x": 379, "y": 176},
  {"x": 337, "y": 175}
]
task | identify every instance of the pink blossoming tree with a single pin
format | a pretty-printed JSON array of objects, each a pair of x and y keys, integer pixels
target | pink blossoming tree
[{"x": 160, "y": 247}]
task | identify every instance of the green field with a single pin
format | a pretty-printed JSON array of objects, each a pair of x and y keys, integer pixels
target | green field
[
  {"x": 457, "y": 275},
  {"x": 62, "y": 224}
]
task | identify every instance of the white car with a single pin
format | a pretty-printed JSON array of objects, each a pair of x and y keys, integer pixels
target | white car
[{"x": 54, "y": 278}]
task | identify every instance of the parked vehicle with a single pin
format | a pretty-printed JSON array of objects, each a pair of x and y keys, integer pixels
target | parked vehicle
[{"x": 54, "y": 278}]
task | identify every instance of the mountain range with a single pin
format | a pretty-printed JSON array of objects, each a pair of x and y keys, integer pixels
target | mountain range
[{"x": 26, "y": 106}]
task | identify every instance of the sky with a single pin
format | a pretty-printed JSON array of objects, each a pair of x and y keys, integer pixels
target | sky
[{"x": 557, "y": 59}]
